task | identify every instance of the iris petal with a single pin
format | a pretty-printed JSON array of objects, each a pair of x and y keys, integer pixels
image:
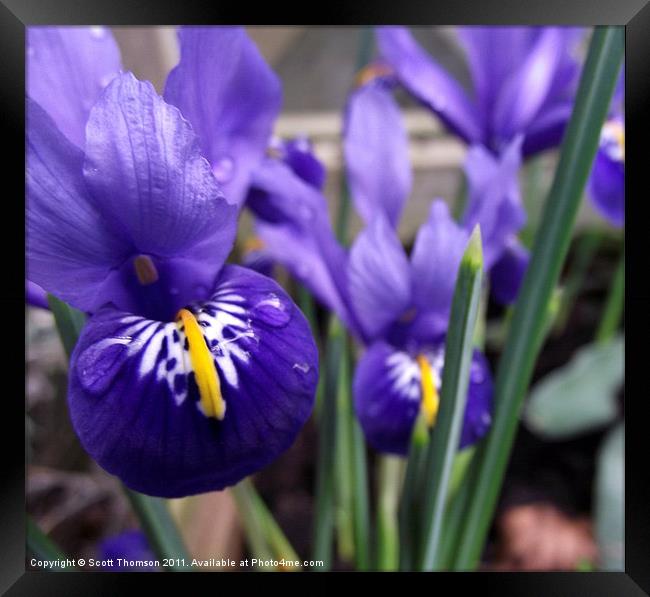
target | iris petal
[
  {"x": 494, "y": 197},
  {"x": 149, "y": 179},
  {"x": 379, "y": 277},
  {"x": 67, "y": 68},
  {"x": 134, "y": 401},
  {"x": 388, "y": 395},
  {"x": 230, "y": 95},
  {"x": 376, "y": 153},
  {"x": 436, "y": 255},
  {"x": 70, "y": 251},
  {"x": 429, "y": 82}
]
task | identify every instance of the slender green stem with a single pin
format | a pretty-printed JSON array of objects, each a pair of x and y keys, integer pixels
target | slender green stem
[
  {"x": 443, "y": 445},
  {"x": 265, "y": 537},
  {"x": 158, "y": 525},
  {"x": 551, "y": 244},
  {"x": 585, "y": 251},
  {"x": 533, "y": 201},
  {"x": 391, "y": 470},
  {"x": 41, "y": 546},
  {"x": 69, "y": 322},
  {"x": 326, "y": 463},
  {"x": 344, "y": 460},
  {"x": 411, "y": 495},
  {"x": 614, "y": 306},
  {"x": 360, "y": 498}
]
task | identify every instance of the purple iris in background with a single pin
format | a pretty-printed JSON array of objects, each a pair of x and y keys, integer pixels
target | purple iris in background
[
  {"x": 397, "y": 306},
  {"x": 189, "y": 374},
  {"x": 523, "y": 83},
  {"x": 126, "y": 547},
  {"x": 606, "y": 185}
]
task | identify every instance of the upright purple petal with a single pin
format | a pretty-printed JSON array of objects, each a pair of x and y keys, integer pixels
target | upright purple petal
[
  {"x": 493, "y": 53},
  {"x": 429, "y": 82},
  {"x": 70, "y": 250},
  {"x": 135, "y": 404},
  {"x": 436, "y": 255},
  {"x": 230, "y": 95},
  {"x": 67, "y": 68},
  {"x": 528, "y": 87},
  {"x": 379, "y": 277},
  {"x": 508, "y": 272},
  {"x": 494, "y": 197},
  {"x": 148, "y": 178},
  {"x": 376, "y": 152}
]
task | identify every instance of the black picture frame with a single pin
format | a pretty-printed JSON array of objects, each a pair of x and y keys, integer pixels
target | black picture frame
[{"x": 634, "y": 15}]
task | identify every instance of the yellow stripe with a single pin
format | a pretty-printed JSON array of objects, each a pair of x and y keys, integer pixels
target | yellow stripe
[
  {"x": 205, "y": 372},
  {"x": 430, "y": 400}
]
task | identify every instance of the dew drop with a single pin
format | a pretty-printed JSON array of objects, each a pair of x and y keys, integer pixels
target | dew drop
[
  {"x": 98, "y": 32},
  {"x": 302, "y": 367},
  {"x": 224, "y": 169}
]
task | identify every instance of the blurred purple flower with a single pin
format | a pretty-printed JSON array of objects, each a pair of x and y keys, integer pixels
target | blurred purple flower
[
  {"x": 127, "y": 547},
  {"x": 524, "y": 79},
  {"x": 398, "y": 306},
  {"x": 606, "y": 185},
  {"x": 135, "y": 230}
]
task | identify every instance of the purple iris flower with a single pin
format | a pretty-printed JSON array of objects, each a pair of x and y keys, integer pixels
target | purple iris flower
[
  {"x": 189, "y": 374},
  {"x": 606, "y": 185},
  {"x": 127, "y": 547},
  {"x": 523, "y": 78},
  {"x": 397, "y": 305}
]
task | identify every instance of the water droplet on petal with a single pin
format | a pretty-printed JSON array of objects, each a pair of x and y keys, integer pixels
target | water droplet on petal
[
  {"x": 98, "y": 32},
  {"x": 224, "y": 169},
  {"x": 272, "y": 311},
  {"x": 302, "y": 367}
]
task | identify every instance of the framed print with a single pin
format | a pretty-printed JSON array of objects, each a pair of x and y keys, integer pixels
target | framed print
[{"x": 337, "y": 297}]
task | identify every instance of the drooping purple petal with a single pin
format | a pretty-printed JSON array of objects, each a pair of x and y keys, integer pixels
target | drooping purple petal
[
  {"x": 387, "y": 397},
  {"x": 134, "y": 402},
  {"x": 376, "y": 152},
  {"x": 67, "y": 68},
  {"x": 528, "y": 87},
  {"x": 508, "y": 272},
  {"x": 149, "y": 180},
  {"x": 35, "y": 295},
  {"x": 70, "y": 251},
  {"x": 494, "y": 197},
  {"x": 436, "y": 255},
  {"x": 230, "y": 95},
  {"x": 388, "y": 394},
  {"x": 126, "y": 547},
  {"x": 429, "y": 82},
  {"x": 547, "y": 130},
  {"x": 379, "y": 277}
]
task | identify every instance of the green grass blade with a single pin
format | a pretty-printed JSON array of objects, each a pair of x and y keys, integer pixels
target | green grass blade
[
  {"x": 551, "y": 244},
  {"x": 159, "y": 527},
  {"x": 41, "y": 546},
  {"x": 391, "y": 469},
  {"x": 614, "y": 306},
  {"x": 443, "y": 445},
  {"x": 326, "y": 461},
  {"x": 69, "y": 322},
  {"x": 361, "y": 508}
]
